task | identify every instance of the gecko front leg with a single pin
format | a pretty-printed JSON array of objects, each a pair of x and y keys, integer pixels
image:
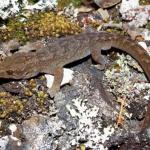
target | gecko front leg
[
  {"x": 58, "y": 76},
  {"x": 98, "y": 57}
]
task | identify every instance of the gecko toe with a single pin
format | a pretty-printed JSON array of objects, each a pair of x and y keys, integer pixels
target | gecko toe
[
  {"x": 52, "y": 93},
  {"x": 99, "y": 66}
]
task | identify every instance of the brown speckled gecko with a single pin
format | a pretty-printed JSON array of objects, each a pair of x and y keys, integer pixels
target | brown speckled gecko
[{"x": 51, "y": 55}]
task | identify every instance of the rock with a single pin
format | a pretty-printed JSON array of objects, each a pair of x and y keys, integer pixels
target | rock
[{"x": 106, "y": 3}]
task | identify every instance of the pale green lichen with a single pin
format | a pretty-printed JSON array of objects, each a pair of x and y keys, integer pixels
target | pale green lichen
[
  {"x": 121, "y": 78},
  {"x": 65, "y": 3},
  {"x": 148, "y": 25}
]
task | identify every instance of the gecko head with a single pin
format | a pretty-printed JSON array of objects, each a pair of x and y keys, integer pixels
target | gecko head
[
  {"x": 13, "y": 67},
  {"x": 10, "y": 71},
  {"x": 9, "y": 74}
]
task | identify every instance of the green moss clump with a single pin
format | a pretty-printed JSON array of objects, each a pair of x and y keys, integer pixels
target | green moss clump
[
  {"x": 10, "y": 105},
  {"x": 41, "y": 99},
  {"x": 116, "y": 31},
  {"x": 64, "y": 3},
  {"x": 144, "y": 2},
  {"x": 33, "y": 1},
  {"x": 21, "y": 106},
  {"x": 43, "y": 24},
  {"x": 148, "y": 25}
]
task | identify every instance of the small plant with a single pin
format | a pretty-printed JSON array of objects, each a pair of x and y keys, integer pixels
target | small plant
[
  {"x": 64, "y": 3},
  {"x": 43, "y": 24}
]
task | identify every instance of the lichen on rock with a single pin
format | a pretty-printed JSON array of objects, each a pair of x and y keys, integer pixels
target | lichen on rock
[{"x": 64, "y": 3}]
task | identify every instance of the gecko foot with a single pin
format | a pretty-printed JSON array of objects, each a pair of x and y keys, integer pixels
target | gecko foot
[
  {"x": 99, "y": 66},
  {"x": 52, "y": 92}
]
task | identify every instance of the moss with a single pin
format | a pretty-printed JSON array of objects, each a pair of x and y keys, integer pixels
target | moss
[
  {"x": 43, "y": 24},
  {"x": 10, "y": 104},
  {"x": 116, "y": 31},
  {"x": 144, "y": 2},
  {"x": 32, "y": 96},
  {"x": 35, "y": 90},
  {"x": 148, "y": 25},
  {"x": 64, "y": 3},
  {"x": 41, "y": 99},
  {"x": 33, "y": 1},
  {"x": 115, "y": 16}
]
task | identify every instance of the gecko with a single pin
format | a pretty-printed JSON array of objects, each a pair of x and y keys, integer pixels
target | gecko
[{"x": 52, "y": 54}]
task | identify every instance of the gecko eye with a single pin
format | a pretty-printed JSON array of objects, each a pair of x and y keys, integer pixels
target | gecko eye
[
  {"x": 14, "y": 50},
  {"x": 33, "y": 50},
  {"x": 10, "y": 72}
]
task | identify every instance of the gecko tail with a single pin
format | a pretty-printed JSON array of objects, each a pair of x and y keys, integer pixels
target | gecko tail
[{"x": 135, "y": 50}]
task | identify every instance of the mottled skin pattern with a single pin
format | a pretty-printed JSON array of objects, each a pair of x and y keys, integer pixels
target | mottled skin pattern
[{"x": 49, "y": 56}]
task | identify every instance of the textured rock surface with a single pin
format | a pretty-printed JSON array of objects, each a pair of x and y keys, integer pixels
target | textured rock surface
[{"x": 84, "y": 113}]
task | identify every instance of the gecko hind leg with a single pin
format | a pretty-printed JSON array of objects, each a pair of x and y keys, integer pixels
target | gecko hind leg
[{"x": 58, "y": 76}]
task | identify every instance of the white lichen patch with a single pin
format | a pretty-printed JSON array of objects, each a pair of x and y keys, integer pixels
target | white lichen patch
[
  {"x": 3, "y": 142},
  {"x": 126, "y": 79},
  {"x": 12, "y": 128},
  {"x": 89, "y": 129},
  {"x": 143, "y": 87},
  {"x": 99, "y": 137},
  {"x": 37, "y": 129},
  {"x": 136, "y": 15},
  {"x": 115, "y": 75},
  {"x": 11, "y": 7},
  {"x": 128, "y": 4},
  {"x": 42, "y": 4},
  {"x": 8, "y": 7},
  {"x": 146, "y": 35},
  {"x": 70, "y": 11}
]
